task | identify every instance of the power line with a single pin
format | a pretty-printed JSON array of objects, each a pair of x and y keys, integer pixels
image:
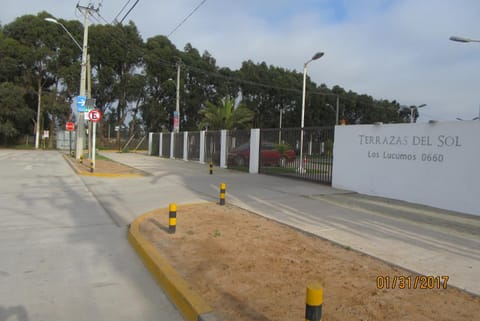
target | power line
[
  {"x": 129, "y": 11},
  {"x": 120, "y": 12},
  {"x": 253, "y": 83},
  {"x": 101, "y": 17},
  {"x": 186, "y": 18}
]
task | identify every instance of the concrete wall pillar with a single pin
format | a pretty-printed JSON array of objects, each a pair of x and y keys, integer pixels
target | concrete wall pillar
[
  {"x": 150, "y": 136},
  {"x": 160, "y": 144},
  {"x": 254, "y": 150},
  {"x": 202, "y": 147},
  {"x": 185, "y": 146},
  {"x": 223, "y": 148},
  {"x": 172, "y": 144}
]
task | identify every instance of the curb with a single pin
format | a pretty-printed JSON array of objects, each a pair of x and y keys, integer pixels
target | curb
[
  {"x": 187, "y": 301},
  {"x": 109, "y": 175}
]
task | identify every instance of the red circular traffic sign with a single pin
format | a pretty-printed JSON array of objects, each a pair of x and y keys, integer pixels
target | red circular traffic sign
[
  {"x": 94, "y": 115},
  {"x": 69, "y": 126}
]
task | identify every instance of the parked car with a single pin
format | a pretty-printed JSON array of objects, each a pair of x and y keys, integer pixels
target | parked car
[{"x": 270, "y": 155}]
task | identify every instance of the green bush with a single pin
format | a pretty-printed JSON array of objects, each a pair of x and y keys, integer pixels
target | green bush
[{"x": 282, "y": 148}]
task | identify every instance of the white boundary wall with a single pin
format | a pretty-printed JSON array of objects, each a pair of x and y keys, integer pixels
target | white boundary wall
[{"x": 432, "y": 164}]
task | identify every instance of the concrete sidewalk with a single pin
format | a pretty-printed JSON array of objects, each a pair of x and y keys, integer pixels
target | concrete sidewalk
[
  {"x": 61, "y": 255},
  {"x": 421, "y": 239}
]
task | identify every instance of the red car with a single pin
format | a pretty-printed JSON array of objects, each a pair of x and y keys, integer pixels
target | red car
[{"x": 269, "y": 155}]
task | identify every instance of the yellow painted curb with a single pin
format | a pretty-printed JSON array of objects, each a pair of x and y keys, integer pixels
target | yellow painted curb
[
  {"x": 110, "y": 175},
  {"x": 188, "y": 302}
]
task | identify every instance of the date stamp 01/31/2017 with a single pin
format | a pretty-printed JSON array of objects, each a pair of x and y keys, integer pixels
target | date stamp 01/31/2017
[{"x": 412, "y": 282}]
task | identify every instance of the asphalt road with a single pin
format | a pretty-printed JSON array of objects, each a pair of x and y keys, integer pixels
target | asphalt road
[
  {"x": 62, "y": 257},
  {"x": 422, "y": 239}
]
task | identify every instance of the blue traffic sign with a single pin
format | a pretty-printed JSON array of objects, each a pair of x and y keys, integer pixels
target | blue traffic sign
[{"x": 81, "y": 103}]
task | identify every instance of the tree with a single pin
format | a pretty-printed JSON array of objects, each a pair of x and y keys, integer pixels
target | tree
[
  {"x": 15, "y": 114},
  {"x": 160, "y": 57},
  {"x": 38, "y": 41},
  {"x": 114, "y": 67},
  {"x": 226, "y": 116}
]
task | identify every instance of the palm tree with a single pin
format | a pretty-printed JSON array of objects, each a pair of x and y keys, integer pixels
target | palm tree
[{"x": 226, "y": 115}]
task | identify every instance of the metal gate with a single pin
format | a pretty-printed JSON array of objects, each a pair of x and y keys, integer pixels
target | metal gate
[
  {"x": 193, "y": 146},
  {"x": 166, "y": 142},
  {"x": 212, "y": 147},
  {"x": 178, "y": 145},
  {"x": 281, "y": 153},
  {"x": 238, "y": 149}
]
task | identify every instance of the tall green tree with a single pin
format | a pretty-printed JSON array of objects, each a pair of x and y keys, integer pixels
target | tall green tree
[
  {"x": 15, "y": 114},
  {"x": 114, "y": 66},
  {"x": 37, "y": 41},
  {"x": 160, "y": 57}
]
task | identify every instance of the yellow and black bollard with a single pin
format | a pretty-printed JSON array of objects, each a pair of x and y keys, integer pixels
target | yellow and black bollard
[
  {"x": 91, "y": 166},
  {"x": 211, "y": 167},
  {"x": 223, "y": 190},
  {"x": 172, "y": 218},
  {"x": 313, "y": 310},
  {"x": 81, "y": 159}
]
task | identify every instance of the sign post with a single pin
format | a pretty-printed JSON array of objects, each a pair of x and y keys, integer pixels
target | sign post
[
  {"x": 94, "y": 116},
  {"x": 176, "y": 122},
  {"x": 89, "y": 105},
  {"x": 69, "y": 126}
]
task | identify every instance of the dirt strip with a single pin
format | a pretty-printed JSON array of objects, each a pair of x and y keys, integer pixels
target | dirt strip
[{"x": 251, "y": 268}]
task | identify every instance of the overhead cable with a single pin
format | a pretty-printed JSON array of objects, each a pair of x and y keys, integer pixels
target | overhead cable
[{"x": 186, "y": 18}]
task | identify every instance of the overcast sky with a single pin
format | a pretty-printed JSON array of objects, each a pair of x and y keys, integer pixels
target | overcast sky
[{"x": 389, "y": 49}]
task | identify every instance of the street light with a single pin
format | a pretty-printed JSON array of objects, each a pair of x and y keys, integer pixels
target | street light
[
  {"x": 315, "y": 57},
  {"x": 37, "y": 125},
  {"x": 463, "y": 39},
  {"x": 83, "y": 76},
  {"x": 66, "y": 30},
  {"x": 412, "y": 108}
]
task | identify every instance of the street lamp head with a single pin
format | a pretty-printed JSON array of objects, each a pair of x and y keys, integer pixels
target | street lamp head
[
  {"x": 459, "y": 39},
  {"x": 51, "y": 20},
  {"x": 463, "y": 39},
  {"x": 317, "y": 55},
  {"x": 422, "y": 105}
]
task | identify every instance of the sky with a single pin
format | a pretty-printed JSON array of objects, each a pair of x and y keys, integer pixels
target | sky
[{"x": 389, "y": 49}]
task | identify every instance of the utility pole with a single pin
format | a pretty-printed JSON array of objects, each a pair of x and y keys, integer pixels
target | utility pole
[
  {"x": 83, "y": 75},
  {"x": 336, "y": 114},
  {"x": 176, "y": 117}
]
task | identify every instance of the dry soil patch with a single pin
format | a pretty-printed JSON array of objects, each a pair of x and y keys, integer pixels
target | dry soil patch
[
  {"x": 250, "y": 268},
  {"x": 103, "y": 166}
]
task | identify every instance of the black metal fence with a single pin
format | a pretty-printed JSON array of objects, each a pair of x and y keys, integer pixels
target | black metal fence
[
  {"x": 212, "y": 147},
  {"x": 238, "y": 149},
  {"x": 281, "y": 150},
  {"x": 166, "y": 142},
  {"x": 178, "y": 145},
  {"x": 155, "y": 144},
  {"x": 281, "y": 153},
  {"x": 193, "y": 146}
]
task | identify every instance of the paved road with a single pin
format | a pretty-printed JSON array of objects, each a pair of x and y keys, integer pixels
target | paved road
[
  {"x": 419, "y": 238},
  {"x": 62, "y": 257}
]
